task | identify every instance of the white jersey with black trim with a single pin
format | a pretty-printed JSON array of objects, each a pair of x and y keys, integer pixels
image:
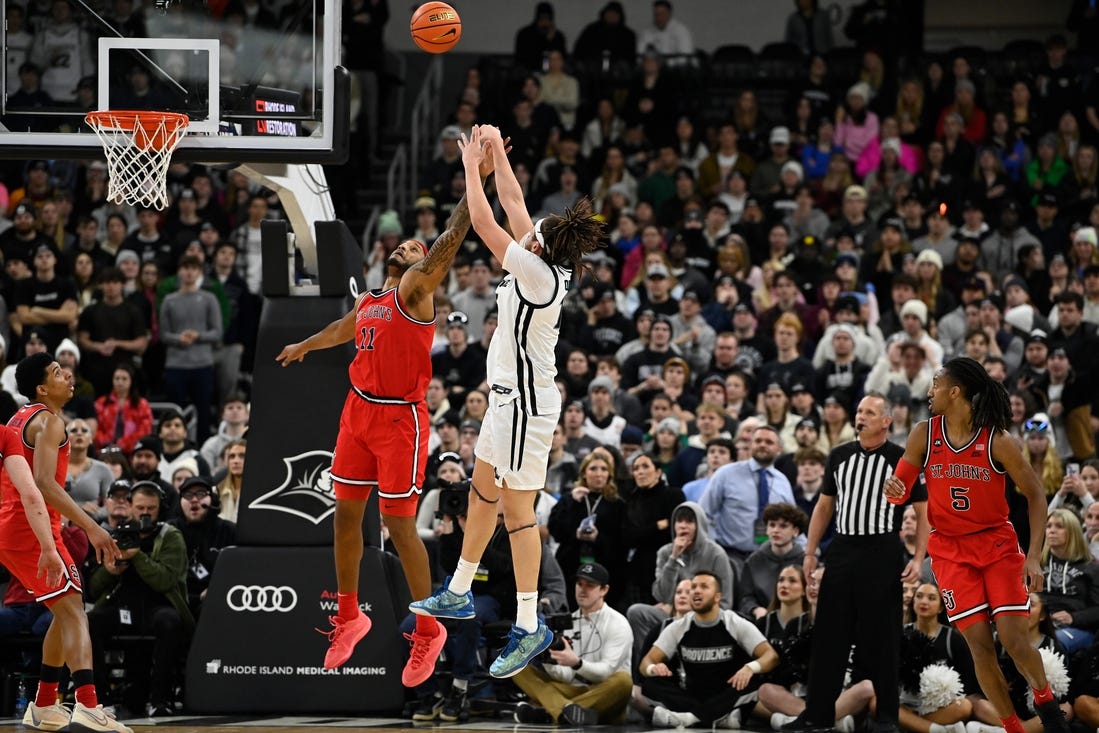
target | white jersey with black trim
[{"x": 521, "y": 356}]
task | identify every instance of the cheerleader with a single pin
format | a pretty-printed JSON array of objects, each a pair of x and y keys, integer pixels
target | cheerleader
[
  {"x": 938, "y": 664},
  {"x": 788, "y": 626}
]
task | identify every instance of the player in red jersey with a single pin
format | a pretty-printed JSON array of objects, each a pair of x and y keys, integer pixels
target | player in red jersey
[
  {"x": 384, "y": 430},
  {"x": 40, "y": 438},
  {"x": 964, "y": 452}
]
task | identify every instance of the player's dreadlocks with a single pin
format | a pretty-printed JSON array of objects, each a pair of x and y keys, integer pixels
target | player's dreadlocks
[
  {"x": 572, "y": 236},
  {"x": 988, "y": 398}
]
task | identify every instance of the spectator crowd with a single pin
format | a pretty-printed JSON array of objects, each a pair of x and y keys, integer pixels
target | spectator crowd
[{"x": 766, "y": 269}]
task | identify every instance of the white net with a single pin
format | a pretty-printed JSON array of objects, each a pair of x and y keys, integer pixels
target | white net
[{"x": 139, "y": 149}]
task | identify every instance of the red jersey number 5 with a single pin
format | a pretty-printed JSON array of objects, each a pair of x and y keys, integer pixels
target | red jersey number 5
[{"x": 958, "y": 499}]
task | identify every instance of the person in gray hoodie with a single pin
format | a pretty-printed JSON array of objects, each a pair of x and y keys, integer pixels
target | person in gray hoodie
[
  {"x": 757, "y": 581},
  {"x": 691, "y": 551}
]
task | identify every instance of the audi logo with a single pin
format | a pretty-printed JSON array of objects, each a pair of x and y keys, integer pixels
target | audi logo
[{"x": 262, "y": 598}]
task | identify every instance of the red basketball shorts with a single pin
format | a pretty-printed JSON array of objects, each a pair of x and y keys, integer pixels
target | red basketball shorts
[
  {"x": 23, "y": 564},
  {"x": 980, "y": 575},
  {"x": 382, "y": 445}
]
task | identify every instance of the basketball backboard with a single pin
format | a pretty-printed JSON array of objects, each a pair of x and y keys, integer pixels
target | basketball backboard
[{"x": 259, "y": 81}]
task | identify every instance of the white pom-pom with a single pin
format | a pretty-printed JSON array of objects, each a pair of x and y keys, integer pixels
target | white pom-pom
[
  {"x": 939, "y": 686},
  {"x": 1054, "y": 666}
]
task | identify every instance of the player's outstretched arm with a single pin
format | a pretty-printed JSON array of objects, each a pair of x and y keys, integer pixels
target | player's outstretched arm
[
  {"x": 34, "y": 506},
  {"x": 480, "y": 211},
  {"x": 422, "y": 278},
  {"x": 46, "y": 434},
  {"x": 1007, "y": 453},
  {"x": 508, "y": 188},
  {"x": 335, "y": 333},
  {"x": 898, "y": 486}
]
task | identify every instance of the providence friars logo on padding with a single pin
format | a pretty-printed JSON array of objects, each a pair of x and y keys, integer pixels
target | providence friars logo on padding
[{"x": 307, "y": 490}]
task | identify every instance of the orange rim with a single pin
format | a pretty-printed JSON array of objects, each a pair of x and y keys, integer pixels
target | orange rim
[{"x": 147, "y": 122}]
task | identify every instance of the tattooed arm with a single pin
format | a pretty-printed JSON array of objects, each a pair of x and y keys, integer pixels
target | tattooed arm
[{"x": 419, "y": 282}]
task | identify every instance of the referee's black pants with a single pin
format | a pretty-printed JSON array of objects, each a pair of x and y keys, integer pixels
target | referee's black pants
[{"x": 860, "y": 604}]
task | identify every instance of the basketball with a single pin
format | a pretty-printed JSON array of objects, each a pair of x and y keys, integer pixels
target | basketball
[{"x": 436, "y": 27}]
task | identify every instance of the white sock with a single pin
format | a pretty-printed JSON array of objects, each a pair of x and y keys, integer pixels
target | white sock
[
  {"x": 458, "y": 684},
  {"x": 846, "y": 724},
  {"x": 687, "y": 719},
  {"x": 780, "y": 719},
  {"x": 463, "y": 576},
  {"x": 526, "y": 614},
  {"x": 938, "y": 728}
]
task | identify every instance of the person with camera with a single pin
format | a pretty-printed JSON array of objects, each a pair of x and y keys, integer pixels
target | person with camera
[
  {"x": 117, "y": 504},
  {"x": 205, "y": 534},
  {"x": 706, "y": 667},
  {"x": 584, "y": 678},
  {"x": 144, "y": 591},
  {"x": 493, "y": 591}
]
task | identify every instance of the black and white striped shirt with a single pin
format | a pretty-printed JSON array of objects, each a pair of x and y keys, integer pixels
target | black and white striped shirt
[{"x": 855, "y": 476}]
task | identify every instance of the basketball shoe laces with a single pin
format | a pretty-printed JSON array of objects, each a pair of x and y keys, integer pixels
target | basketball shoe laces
[
  {"x": 420, "y": 644},
  {"x": 338, "y": 627}
]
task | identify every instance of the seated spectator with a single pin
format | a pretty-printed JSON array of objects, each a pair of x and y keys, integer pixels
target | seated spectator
[
  {"x": 175, "y": 446},
  {"x": 123, "y": 416},
  {"x": 185, "y": 469},
  {"x": 560, "y": 90},
  {"x": 720, "y": 658},
  {"x": 719, "y": 452},
  {"x": 784, "y": 522},
  {"x": 234, "y": 424},
  {"x": 150, "y": 582},
  {"x": 856, "y": 125},
  {"x": 204, "y": 533},
  {"x": 87, "y": 479},
  {"x": 588, "y": 521},
  {"x": 232, "y": 456},
  {"x": 117, "y": 507},
  {"x": 667, "y": 36},
  {"x": 534, "y": 41},
  {"x": 146, "y": 467},
  {"x": 608, "y": 38},
  {"x": 1073, "y": 599},
  {"x": 585, "y": 683},
  {"x": 603, "y": 424}
]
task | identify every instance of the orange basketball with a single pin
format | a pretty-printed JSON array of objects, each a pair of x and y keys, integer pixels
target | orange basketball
[{"x": 436, "y": 27}]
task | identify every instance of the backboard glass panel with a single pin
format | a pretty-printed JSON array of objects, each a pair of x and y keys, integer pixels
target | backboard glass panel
[{"x": 258, "y": 78}]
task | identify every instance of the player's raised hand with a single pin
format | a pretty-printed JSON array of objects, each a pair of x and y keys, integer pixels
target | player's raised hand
[
  {"x": 291, "y": 353},
  {"x": 490, "y": 133},
  {"x": 473, "y": 149},
  {"x": 52, "y": 566}
]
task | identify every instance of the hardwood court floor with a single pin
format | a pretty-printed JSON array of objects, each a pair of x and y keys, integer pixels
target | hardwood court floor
[{"x": 310, "y": 724}]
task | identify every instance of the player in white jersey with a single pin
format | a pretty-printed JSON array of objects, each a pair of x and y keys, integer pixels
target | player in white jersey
[{"x": 512, "y": 450}]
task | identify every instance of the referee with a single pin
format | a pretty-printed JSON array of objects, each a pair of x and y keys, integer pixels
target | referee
[{"x": 860, "y": 594}]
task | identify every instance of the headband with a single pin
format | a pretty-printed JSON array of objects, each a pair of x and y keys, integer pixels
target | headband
[
  {"x": 538, "y": 233},
  {"x": 422, "y": 245}
]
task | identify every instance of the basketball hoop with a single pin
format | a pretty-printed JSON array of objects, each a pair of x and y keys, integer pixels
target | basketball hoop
[{"x": 139, "y": 149}]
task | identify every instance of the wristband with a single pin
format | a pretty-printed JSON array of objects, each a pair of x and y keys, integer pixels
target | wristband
[
  {"x": 755, "y": 666},
  {"x": 649, "y": 670},
  {"x": 907, "y": 474}
]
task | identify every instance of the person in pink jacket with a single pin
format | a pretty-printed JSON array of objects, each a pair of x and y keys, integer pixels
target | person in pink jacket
[
  {"x": 856, "y": 125},
  {"x": 909, "y": 156}
]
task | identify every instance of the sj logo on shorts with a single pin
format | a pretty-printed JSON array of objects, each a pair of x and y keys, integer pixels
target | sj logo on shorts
[
  {"x": 948, "y": 600},
  {"x": 307, "y": 489}
]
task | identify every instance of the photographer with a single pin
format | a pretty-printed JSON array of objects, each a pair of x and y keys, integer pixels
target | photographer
[
  {"x": 117, "y": 504},
  {"x": 585, "y": 674},
  {"x": 145, "y": 592},
  {"x": 205, "y": 534},
  {"x": 493, "y": 592}
]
